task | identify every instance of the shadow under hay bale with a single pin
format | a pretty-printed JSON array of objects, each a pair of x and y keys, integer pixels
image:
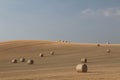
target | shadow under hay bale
[
  {"x": 14, "y": 61},
  {"x": 30, "y": 61},
  {"x": 81, "y": 68},
  {"x": 83, "y": 60}
]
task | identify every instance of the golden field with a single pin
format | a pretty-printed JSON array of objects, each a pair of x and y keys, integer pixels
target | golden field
[{"x": 61, "y": 65}]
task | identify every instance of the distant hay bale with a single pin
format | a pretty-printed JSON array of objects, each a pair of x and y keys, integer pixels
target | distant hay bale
[
  {"x": 41, "y": 55},
  {"x": 83, "y": 60},
  {"x": 14, "y": 61},
  {"x": 98, "y": 45},
  {"x": 59, "y": 41},
  {"x": 81, "y": 68},
  {"x": 51, "y": 52},
  {"x": 108, "y": 51},
  {"x": 30, "y": 61},
  {"x": 66, "y": 41},
  {"x": 62, "y": 41},
  {"x": 22, "y": 59},
  {"x": 107, "y": 42}
]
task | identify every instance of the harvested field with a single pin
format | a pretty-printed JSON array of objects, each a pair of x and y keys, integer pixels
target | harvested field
[{"x": 61, "y": 66}]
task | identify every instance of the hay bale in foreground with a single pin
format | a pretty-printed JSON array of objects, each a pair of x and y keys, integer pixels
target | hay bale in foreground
[
  {"x": 22, "y": 59},
  {"x": 108, "y": 51},
  {"x": 51, "y": 52},
  {"x": 30, "y": 61},
  {"x": 83, "y": 60},
  {"x": 41, "y": 55},
  {"x": 14, "y": 61},
  {"x": 81, "y": 68}
]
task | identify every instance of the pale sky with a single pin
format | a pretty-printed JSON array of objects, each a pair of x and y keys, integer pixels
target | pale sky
[{"x": 86, "y": 21}]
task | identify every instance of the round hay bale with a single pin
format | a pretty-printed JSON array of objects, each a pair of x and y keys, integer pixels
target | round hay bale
[
  {"x": 62, "y": 41},
  {"x": 83, "y": 60},
  {"x": 59, "y": 40},
  {"x": 81, "y": 68},
  {"x": 107, "y": 42},
  {"x": 30, "y": 61},
  {"x": 22, "y": 59},
  {"x": 14, "y": 61},
  {"x": 66, "y": 41},
  {"x": 98, "y": 45},
  {"x": 108, "y": 51},
  {"x": 51, "y": 52},
  {"x": 41, "y": 55}
]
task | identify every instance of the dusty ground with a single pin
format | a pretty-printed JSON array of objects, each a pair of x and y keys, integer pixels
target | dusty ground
[{"x": 61, "y": 66}]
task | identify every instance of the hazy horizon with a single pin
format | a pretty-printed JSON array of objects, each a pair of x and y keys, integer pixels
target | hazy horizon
[{"x": 85, "y": 21}]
